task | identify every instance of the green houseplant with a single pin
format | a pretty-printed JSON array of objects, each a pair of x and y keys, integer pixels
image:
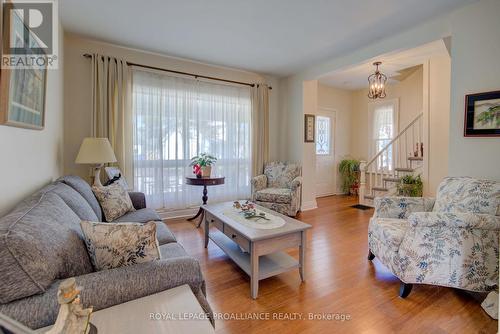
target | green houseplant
[
  {"x": 202, "y": 164},
  {"x": 410, "y": 186},
  {"x": 349, "y": 172}
]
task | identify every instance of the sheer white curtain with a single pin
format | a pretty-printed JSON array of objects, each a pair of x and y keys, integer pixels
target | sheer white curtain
[
  {"x": 384, "y": 128},
  {"x": 177, "y": 118}
]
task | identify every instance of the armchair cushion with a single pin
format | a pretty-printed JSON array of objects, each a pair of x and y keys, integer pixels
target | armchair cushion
[
  {"x": 274, "y": 195},
  {"x": 401, "y": 207},
  {"x": 280, "y": 174},
  {"x": 259, "y": 182},
  {"x": 455, "y": 220},
  {"x": 466, "y": 194}
]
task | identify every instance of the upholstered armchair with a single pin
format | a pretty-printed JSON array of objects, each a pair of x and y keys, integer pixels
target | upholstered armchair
[
  {"x": 451, "y": 241},
  {"x": 278, "y": 188}
]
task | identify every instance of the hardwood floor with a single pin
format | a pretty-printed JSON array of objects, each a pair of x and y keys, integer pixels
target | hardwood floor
[{"x": 340, "y": 281}]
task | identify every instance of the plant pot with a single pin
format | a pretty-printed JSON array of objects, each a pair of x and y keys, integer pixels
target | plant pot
[
  {"x": 206, "y": 171},
  {"x": 409, "y": 190}
]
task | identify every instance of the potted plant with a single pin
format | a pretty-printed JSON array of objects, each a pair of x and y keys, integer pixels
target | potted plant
[
  {"x": 349, "y": 172},
  {"x": 410, "y": 186},
  {"x": 202, "y": 164}
]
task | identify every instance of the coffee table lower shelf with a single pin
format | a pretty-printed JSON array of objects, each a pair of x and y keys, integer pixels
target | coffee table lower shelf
[{"x": 269, "y": 265}]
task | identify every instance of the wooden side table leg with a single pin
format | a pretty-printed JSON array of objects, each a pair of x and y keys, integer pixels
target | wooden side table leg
[
  {"x": 302, "y": 256},
  {"x": 254, "y": 272},
  {"x": 201, "y": 219},
  {"x": 207, "y": 226}
]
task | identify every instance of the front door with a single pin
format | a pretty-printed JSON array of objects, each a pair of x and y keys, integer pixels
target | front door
[{"x": 325, "y": 156}]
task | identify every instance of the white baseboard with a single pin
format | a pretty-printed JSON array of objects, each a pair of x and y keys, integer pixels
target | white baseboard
[
  {"x": 309, "y": 205},
  {"x": 183, "y": 213}
]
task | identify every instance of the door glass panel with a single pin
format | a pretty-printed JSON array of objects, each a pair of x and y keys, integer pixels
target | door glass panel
[{"x": 323, "y": 135}]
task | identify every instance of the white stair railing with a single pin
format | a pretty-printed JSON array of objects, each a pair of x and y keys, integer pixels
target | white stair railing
[{"x": 398, "y": 156}]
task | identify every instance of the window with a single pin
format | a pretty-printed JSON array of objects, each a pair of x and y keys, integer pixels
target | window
[
  {"x": 384, "y": 123},
  {"x": 323, "y": 135},
  {"x": 176, "y": 118}
]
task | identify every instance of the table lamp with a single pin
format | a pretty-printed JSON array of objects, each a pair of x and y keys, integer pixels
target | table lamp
[{"x": 97, "y": 152}]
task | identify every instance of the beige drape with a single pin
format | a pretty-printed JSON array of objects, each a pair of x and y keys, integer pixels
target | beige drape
[
  {"x": 260, "y": 128},
  {"x": 112, "y": 108}
]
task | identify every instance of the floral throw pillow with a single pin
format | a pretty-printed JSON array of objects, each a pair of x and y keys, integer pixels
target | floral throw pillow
[
  {"x": 114, "y": 199},
  {"x": 120, "y": 244}
]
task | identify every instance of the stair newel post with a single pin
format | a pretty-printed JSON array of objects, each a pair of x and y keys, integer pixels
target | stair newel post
[{"x": 362, "y": 181}]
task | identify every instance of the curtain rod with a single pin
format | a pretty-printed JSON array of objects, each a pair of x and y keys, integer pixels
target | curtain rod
[{"x": 196, "y": 76}]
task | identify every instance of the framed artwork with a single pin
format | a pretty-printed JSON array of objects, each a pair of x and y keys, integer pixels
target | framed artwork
[
  {"x": 22, "y": 90},
  {"x": 482, "y": 115},
  {"x": 309, "y": 128}
]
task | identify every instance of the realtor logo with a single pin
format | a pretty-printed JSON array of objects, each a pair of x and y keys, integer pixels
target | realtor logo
[{"x": 29, "y": 36}]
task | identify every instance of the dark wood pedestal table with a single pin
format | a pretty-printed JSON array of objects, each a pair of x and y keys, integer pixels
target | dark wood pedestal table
[{"x": 205, "y": 182}]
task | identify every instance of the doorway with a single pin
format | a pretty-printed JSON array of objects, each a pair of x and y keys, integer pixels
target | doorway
[{"x": 326, "y": 174}]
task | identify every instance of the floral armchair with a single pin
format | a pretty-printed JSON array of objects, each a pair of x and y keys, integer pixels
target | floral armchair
[
  {"x": 278, "y": 188},
  {"x": 452, "y": 241}
]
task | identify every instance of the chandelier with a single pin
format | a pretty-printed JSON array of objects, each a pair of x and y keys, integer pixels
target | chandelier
[{"x": 376, "y": 81}]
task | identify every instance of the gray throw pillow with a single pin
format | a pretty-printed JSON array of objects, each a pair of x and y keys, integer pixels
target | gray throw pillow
[{"x": 120, "y": 244}]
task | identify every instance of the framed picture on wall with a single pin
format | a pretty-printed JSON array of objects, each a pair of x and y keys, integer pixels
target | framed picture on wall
[
  {"x": 482, "y": 115},
  {"x": 22, "y": 90},
  {"x": 309, "y": 128}
]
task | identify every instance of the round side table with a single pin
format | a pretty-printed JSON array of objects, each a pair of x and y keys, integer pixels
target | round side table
[{"x": 205, "y": 182}]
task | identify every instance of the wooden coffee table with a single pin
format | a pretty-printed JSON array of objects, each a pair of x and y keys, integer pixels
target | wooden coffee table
[{"x": 263, "y": 256}]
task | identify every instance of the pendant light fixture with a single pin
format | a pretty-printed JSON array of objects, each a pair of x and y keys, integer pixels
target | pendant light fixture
[{"x": 376, "y": 82}]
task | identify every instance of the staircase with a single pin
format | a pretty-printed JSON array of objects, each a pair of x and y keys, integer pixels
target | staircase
[{"x": 379, "y": 177}]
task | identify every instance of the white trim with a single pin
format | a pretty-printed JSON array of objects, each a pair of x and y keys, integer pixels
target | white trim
[
  {"x": 310, "y": 205},
  {"x": 182, "y": 213}
]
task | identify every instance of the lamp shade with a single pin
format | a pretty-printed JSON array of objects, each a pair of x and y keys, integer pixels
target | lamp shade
[{"x": 95, "y": 151}]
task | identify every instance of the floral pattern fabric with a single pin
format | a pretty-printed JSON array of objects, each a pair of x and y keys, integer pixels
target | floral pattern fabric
[
  {"x": 259, "y": 182},
  {"x": 281, "y": 174},
  {"x": 465, "y": 194},
  {"x": 277, "y": 195},
  {"x": 278, "y": 188},
  {"x": 120, "y": 244},
  {"x": 447, "y": 247},
  {"x": 114, "y": 200}
]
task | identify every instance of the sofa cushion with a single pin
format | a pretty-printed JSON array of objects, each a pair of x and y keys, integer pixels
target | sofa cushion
[
  {"x": 274, "y": 195},
  {"x": 389, "y": 231},
  {"x": 40, "y": 241},
  {"x": 115, "y": 201},
  {"x": 172, "y": 251},
  {"x": 281, "y": 175},
  {"x": 75, "y": 201},
  {"x": 113, "y": 245},
  {"x": 163, "y": 233},
  {"x": 466, "y": 194},
  {"x": 83, "y": 188},
  {"x": 139, "y": 216}
]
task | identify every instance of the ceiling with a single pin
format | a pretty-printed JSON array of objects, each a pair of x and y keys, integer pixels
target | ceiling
[
  {"x": 396, "y": 66},
  {"x": 277, "y": 37}
]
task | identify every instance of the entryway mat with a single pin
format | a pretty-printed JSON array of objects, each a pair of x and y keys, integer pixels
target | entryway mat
[{"x": 361, "y": 207}]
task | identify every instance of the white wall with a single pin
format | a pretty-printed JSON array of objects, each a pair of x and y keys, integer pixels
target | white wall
[
  {"x": 33, "y": 158},
  {"x": 475, "y": 53},
  {"x": 78, "y": 102},
  {"x": 308, "y": 149},
  {"x": 439, "y": 72}
]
